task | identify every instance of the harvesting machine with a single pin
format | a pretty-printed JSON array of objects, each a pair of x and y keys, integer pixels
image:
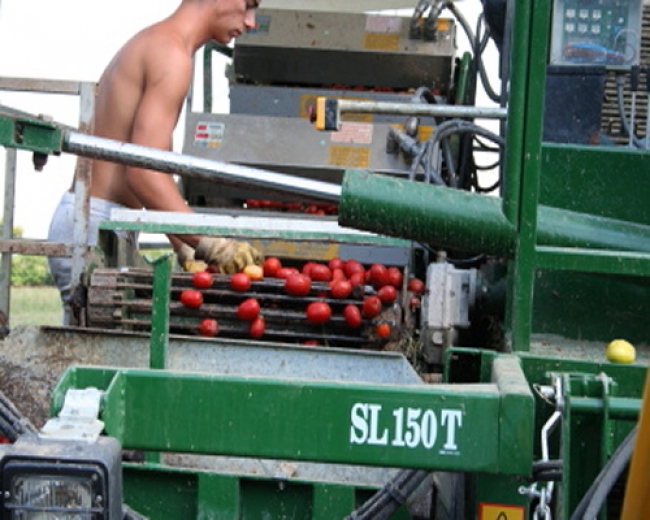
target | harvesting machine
[{"x": 483, "y": 392}]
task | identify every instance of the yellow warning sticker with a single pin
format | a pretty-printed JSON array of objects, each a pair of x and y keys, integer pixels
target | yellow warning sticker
[
  {"x": 297, "y": 249},
  {"x": 349, "y": 156},
  {"x": 381, "y": 42},
  {"x": 500, "y": 512}
]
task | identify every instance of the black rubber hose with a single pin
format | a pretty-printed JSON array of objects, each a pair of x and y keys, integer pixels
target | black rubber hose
[
  {"x": 391, "y": 497},
  {"x": 593, "y": 500}
]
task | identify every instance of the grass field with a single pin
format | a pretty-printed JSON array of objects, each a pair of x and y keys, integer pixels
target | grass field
[{"x": 35, "y": 306}]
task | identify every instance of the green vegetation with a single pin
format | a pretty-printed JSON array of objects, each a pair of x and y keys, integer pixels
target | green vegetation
[
  {"x": 30, "y": 271},
  {"x": 35, "y": 306}
]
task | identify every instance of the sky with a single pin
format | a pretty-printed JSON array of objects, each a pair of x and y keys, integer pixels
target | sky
[{"x": 74, "y": 40}]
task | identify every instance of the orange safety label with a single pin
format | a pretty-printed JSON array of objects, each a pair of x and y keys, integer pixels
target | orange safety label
[
  {"x": 500, "y": 512},
  {"x": 349, "y": 156}
]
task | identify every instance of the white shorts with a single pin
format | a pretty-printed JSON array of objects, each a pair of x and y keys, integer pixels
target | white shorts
[{"x": 62, "y": 230}]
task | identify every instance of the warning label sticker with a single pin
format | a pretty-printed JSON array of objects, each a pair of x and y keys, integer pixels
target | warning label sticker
[
  {"x": 349, "y": 156},
  {"x": 209, "y": 134},
  {"x": 357, "y": 133},
  {"x": 500, "y": 512}
]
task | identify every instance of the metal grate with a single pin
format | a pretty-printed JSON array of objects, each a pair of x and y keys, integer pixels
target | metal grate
[{"x": 610, "y": 121}]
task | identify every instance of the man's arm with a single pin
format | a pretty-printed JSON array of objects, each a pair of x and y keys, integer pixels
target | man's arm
[{"x": 167, "y": 79}]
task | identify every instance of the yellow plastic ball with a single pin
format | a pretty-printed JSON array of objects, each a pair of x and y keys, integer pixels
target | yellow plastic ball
[{"x": 620, "y": 351}]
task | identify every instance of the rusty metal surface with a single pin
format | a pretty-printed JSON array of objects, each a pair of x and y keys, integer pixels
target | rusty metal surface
[
  {"x": 34, "y": 247},
  {"x": 33, "y": 358},
  {"x": 121, "y": 299}
]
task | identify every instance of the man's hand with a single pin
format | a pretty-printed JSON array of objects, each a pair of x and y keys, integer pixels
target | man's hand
[
  {"x": 187, "y": 261},
  {"x": 229, "y": 256}
]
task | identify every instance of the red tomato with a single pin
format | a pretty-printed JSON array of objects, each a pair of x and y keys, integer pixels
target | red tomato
[
  {"x": 283, "y": 272},
  {"x": 306, "y": 268},
  {"x": 297, "y": 284},
  {"x": 191, "y": 298},
  {"x": 257, "y": 327},
  {"x": 394, "y": 277},
  {"x": 248, "y": 310},
  {"x": 352, "y": 315},
  {"x": 335, "y": 263},
  {"x": 320, "y": 273},
  {"x": 357, "y": 279},
  {"x": 208, "y": 328},
  {"x": 377, "y": 275},
  {"x": 352, "y": 266},
  {"x": 212, "y": 269},
  {"x": 371, "y": 307},
  {"x": 202, "y": 280},
  {"x": 338, "y": 274},
  {"x": 387, "y": 294},
  {"x": 255, "y": 272},
  {"x": 271, "y": 266},
  {"x": 415, "y": 285},
  {"x": 414, "y": 303},
  {"x": 310, "y": 343},
  {"x": 240, "y": 282},
  {"x": 340, "y": 289},
  {"x": 383, "y": 330},
  {"x": 318, "y": 312}
]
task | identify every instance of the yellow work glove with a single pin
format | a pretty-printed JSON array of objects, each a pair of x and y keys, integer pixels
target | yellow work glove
[
  {"x": 229, "y": 256},
  {"x": 186, "y": 260}
]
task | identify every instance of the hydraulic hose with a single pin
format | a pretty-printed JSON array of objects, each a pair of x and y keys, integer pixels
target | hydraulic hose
[
  {"x": 594, "y": 498},
  {"x": 12, "y": 423},
  {"x": 391, "y": 497}
]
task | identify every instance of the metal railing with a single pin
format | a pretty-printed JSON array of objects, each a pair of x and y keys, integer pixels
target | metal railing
[{"x": 78, "y": 249}]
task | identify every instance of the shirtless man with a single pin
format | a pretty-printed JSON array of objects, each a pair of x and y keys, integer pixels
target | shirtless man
[{"x": 139, "y": 99}]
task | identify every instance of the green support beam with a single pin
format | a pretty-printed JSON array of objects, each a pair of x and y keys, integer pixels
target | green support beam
[{"x": 421, "y": 426}]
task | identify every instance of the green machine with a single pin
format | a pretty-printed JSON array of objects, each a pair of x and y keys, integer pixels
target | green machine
[{"x": 530, "y": 426}]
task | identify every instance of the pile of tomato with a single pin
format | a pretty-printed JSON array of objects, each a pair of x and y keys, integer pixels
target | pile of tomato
[
  {"x": 358, "y": 294},
  {"x": 293, "y": 207}
]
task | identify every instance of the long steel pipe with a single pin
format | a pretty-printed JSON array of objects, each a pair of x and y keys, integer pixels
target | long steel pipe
[
  {"x": 420, "y": 109},
  {"x": 198, "y": 168}
]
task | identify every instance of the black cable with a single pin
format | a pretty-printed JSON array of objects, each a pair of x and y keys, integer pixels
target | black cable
[{"x": 593, "y": 500}]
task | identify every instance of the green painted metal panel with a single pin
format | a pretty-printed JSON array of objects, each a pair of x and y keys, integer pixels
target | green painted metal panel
[
  {"x": 218, "y": 497},
  {"x": 429, "y": 426},
  {"x": 332, "y": 501},
  {"x": 516, "y": 415},
  {"x": 607, "y": 181},
  {"x": 287, "y": 419},
  {"x": 161, "y": 494},
  {"x": 592, "y": 307}
]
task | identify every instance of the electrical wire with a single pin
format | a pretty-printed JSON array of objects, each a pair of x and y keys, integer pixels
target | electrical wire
[
  {"x": 620, "y": 82},
  {"x": 594, "y": 498}
]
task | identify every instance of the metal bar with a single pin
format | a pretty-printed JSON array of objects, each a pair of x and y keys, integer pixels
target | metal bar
[
  {"x": 197, "y": 168},
  {"x": 82, "y": 181},
  {"x": 24, "y": 246},
  {"x": 624, "y": 408},
  {"x": 595, "y": 260},
  {"x": 413, "y": 109},
  {"x": 239, "y": 224},
  {"x": 445, "y": 217},
  {"x": 41, "y": 85},
  {"x": 160, "y": 313},
  {"x": 7, "y": 229}
]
